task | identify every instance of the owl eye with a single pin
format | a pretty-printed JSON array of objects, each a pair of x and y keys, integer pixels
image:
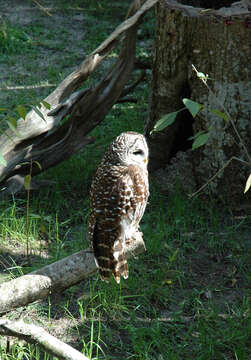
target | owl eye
[{"x": 138, "y": 152}]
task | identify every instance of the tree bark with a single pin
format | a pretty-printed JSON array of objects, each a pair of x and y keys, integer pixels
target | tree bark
[
  {"x": 55, "y": 277},
  {"x": 44, "y": 140},
  {"x": 38, "y": 336},
  {"x": 217, "y": 42}
]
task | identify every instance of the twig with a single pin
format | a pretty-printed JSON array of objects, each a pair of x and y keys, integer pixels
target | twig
[
  {"x": 130, "y": 88},
  {"x": 42, "y": 8},
  {"x": 38, "y": 336},
  {"x": 28, "y": 87},
  {"x": 27, "y": 220},
  {"x": 127, "y": 99},
  {"x": 215, "y": 175},
  {"x": 221, "y": 105},
  {"x": 204, "y": 79}
]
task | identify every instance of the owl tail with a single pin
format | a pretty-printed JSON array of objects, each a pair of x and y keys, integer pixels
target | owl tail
[
  {"x": 120, "y": 267},
  {"x": 105, "y": 264}
]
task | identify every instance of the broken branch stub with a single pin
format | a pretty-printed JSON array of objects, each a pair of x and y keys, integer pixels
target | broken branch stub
[{"x": 44, "y": 140}]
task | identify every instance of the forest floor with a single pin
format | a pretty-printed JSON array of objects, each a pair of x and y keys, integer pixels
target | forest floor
[{"x": 188, "y": 295}]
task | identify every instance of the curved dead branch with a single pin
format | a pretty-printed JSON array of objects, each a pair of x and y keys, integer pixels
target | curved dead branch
[{"x": 43, "y": 140}]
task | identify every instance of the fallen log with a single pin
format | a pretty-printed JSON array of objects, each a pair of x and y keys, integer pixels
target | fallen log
[
  {"x": 55, "y": 277},
  {"x": 36, "y": 335}
]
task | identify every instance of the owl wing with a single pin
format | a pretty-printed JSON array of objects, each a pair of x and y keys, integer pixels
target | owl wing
[
  {"x": 138, "y": 197},
  {"x": 132, "y": 200}
]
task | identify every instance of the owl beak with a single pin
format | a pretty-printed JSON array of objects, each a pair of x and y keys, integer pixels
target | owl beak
[{"x": 146, "y": 161}]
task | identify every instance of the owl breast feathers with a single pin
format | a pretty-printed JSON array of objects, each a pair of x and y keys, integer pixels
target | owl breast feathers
[{"x": 119, "y": 194}]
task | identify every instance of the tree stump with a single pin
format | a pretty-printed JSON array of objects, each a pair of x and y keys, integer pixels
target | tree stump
[{"x": 217, "y": 43}]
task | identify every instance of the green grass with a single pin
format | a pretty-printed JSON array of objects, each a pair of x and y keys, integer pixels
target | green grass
[
  {"x": 13, "y": 39},
  {"x": 186, "y": 297}
]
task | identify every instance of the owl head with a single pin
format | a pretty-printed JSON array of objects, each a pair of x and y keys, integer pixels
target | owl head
[{"x": 129, "y": 148}]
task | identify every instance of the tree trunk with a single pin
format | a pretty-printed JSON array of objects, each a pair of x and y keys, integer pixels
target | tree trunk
[{"x": 217, "y": 43}]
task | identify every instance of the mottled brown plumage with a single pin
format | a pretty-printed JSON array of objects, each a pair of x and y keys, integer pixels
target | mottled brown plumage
[{"x": 119, "y": 194}]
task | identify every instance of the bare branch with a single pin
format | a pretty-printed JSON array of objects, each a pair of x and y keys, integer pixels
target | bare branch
[
  {"x": 217, "y": 173},
  {"x": 38, "y": 336},
  {"x": 42, "y": 8},
  {"x": 130, "y": 88},
  {"x": 27, "y": 87},
  {"x": 127, "y": 99}
]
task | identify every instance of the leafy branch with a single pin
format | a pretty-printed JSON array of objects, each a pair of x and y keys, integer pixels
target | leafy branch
[{"x": 201, "y": 138}]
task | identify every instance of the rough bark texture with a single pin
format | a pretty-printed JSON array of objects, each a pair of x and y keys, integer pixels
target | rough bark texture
[
  {"x": 218, "y": 45},
  {"x": 55, "y": 277},
  {"x": 45, "y": 141}
]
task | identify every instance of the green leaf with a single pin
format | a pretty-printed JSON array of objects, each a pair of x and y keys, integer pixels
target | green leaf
[
  {"x": 165, "y": 121},
  {"x": 248, "y": 184},
  {"x": 21, "y": 111},
  {"x": 196, "y": 135},
  {"x": 46, "y": 104},
  {"x": 27, "y": 182},
  {"x": 38, "y": 112},
  {"x": 12, "y": 125},
  {"x": 220, "y": 114},
  {"x": 38, "y": 104},
  {"x": 35, "y": 216},
  {"x": 2, "y": 109},
  {"x": 38, "y": 164},
  {"x": 192, "y": 106},
  {"x": 2, "y": 160},
  {"x": 173, "y": 257},
  {"x": 200, "y": 140},
  {"x": 13, "y": 122}
]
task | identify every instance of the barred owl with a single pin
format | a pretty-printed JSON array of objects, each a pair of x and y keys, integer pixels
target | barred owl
[{"x": 119, "y": 194}]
